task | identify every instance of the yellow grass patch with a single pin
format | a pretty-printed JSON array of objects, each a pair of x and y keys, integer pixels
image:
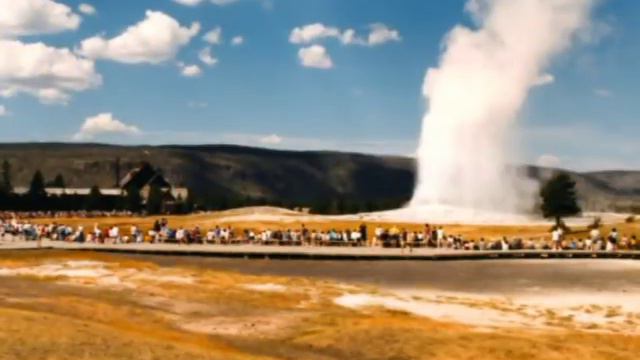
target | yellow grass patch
[{"x": 224, "y": 315}]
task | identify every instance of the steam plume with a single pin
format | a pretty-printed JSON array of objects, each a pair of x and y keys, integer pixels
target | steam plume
[{"x": 474, "y": 97}]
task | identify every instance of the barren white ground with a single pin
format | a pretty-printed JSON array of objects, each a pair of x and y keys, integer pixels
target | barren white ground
[{"x": 445, "y": 215}]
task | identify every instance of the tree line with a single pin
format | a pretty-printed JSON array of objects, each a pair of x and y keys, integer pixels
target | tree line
[
  {"x": 558, "y": 199},
  {"x": 37, "y": 199}
]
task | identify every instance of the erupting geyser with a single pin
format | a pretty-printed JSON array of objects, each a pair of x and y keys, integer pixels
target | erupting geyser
[{"x": 474, "y": 96}]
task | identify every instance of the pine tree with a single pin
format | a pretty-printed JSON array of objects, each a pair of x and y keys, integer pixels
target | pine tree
[
  {"x": 5, "y": 184},
  {"x": 559, "y": 198},
  {"x": 37, "y": 188},
  {"x": 58, "y": 182}
]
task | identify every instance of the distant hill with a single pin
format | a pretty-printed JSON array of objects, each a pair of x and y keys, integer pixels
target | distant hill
[{"x": 287, "y": 177}]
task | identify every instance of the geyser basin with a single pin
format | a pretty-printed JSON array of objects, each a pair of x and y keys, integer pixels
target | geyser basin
[{"x": 451, "y": 215}]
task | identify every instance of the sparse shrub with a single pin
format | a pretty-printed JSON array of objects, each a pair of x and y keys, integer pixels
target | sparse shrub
[{"x": 631, "y": 219}]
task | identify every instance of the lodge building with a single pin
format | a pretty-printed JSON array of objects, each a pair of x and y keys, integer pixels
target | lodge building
[{"x": 141, "y": 179}]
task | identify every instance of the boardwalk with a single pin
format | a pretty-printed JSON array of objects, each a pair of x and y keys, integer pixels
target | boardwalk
[{"x": 318, "y": 253}]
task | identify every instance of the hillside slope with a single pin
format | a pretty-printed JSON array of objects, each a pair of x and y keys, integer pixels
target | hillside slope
[{"x": 284, "y": 176}]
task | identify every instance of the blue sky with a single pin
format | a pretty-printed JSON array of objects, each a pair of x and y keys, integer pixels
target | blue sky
[{"x": 368, "y": 98}]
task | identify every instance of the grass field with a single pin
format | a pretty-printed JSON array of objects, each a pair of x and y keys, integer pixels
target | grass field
[{"x": 56, "y": 305}]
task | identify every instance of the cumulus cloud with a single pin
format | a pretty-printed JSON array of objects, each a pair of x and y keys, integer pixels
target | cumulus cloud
[
  {"x": 197, "y": 104},
  {"x": 103, "y": 123},
  {"x": 87, "y": 9},
  {"x": 198, "y": 2},
  {"x": 155, "y": 39},
  {"x": 272, "y": 139},
  {"x": 48, "y": 73},
  {"x": 313, "y": 32},
  {"x": 548, "y": 161},
  {"x": 189, "y": 70},
  {"x": 237, "y": 41},
  {"x": 382, "y": 34},
  {"x": 205, "y": 56},
  {"x": 223, "y": 2},
  {"x": 3, "y": 111},
  {"x": 214, "y": 36},
  {"x": 544, "y": 79},
  {"x": 379, "y": 34},
  {"x": 188, "y": 2},
  {"x": 361, "y": 145},
  {"x": 246, "y": 139},
  {"x": 315, "y": 56},
  {"x": 33, "y": 17},
  {"x": 604, "y": 93},
  {"x": 609, "y": 148}
]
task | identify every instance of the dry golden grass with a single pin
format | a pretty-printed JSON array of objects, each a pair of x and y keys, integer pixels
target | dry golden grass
[
  {"x": 397, "y": 336},
  {"x": 49, "y": 318}
]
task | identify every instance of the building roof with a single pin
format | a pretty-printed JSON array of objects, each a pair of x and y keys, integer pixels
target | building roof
[
  {"x": 70, "y": 191},
  {"x": 142, "y": 176}
]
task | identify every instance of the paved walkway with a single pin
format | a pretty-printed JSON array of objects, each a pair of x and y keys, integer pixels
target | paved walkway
[{"x": 319, "y": 253}]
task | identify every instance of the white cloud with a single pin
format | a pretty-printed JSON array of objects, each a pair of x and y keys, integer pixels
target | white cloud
[
  {"x": 315, "y": 56},
  {"x": 205, "y": 56},
  {"x": 87, "y": 9},
  {"x": 583, "y": 146},
  {"x": 155, "y": 39},
  {"x": 385, "y": 146},
  {"x": 213, "y": 37},
  {"x": 48, "y": 73},
  {"x": 223, "y": 2},
  {"x": 32, "y": 17},
  {"x": 198, "y": 2},
  {"x": 379, "y": 34},
  {"x": 197, "y": 104},
  {"x": 604, "y": 93},
  {"x": 188, "y": 2},
  {"x": 272, "y": 139},
  {"x": 190, "y": 70},
  {"x": 544, "y": 79},
  {"x": 360, "y": 145},
  {"x": 313, "y": 32},
  {"x": 548, "y": 161},
  {"x": 349, "y": 37},
  {"x": 3, "y": 111},
  {"x": 237, "y": 41},
  {"x": 382, "y": 34},
  {"x": 104, "y": 123}
]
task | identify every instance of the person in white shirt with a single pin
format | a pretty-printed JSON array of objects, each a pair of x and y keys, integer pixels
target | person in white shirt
[
  {"x": 180, "y": 235},
  {"x": 439, "y": 237},
  {"x": 355, "y": 236},
  {"x": 378, "y": 236},
  {"x": 115, "y": 234},
  {"x": 613, "y": 239},
  {"x": 588, "y": 244},
  {"x": 211, "y": 235},
  {"x": 556, "y": 236},
  {"x": 504, "y": 244}
]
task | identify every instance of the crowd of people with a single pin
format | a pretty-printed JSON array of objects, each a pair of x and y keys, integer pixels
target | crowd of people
[
  {"x": 83, "y": 214},
  {"x": 387, "y": 237}
]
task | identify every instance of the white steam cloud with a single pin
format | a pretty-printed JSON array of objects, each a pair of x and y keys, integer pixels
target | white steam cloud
[{"x": 474, "y": 97}]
